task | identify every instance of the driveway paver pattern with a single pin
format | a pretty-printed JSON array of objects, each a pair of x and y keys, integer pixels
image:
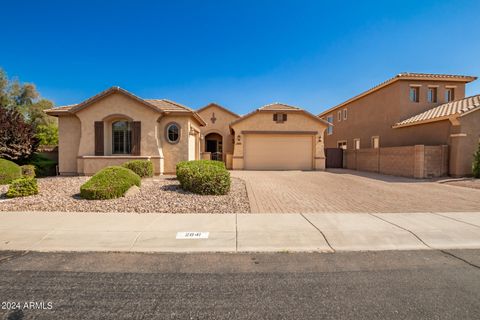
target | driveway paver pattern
[{"x": 351, "y": 191}]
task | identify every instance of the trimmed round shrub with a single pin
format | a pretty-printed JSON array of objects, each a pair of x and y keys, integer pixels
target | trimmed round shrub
[
  {"x": 204, "y": 177},
  {"x": 28, "y": 170},
  {"x": 108, "y": 183},
  {"x": 22, "y": 187},
  {"x": 144, "y": 168},
  {"x": 9, "y": 171}
]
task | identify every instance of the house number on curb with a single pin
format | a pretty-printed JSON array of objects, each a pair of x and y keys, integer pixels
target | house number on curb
[{"x": 192, "y": 235}]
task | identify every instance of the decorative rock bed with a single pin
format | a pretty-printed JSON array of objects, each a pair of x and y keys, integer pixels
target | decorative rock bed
[{"x": 160, "y": 194}]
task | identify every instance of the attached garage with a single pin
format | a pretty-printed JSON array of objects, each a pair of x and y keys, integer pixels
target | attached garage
[
  {"x": 278, "y": 137},
  {"x": 278, "y": 152}
]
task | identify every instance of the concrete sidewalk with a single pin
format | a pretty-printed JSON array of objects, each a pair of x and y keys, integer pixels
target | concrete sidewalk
[{"x": 321, "y": 232}]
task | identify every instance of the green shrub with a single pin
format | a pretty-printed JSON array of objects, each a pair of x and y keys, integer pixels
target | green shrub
[
  {"x": 22, "y": 187},
  {"x": 9, "y": 171},
  {"x": 144, "y": 168},
  {"x": 108, "y": 183},
  {"x": 28, "y": 170},
  {"x": 43, "y": 166},
  {"x": 476, "y": 163},
  {"x": 204, "y": 177}
]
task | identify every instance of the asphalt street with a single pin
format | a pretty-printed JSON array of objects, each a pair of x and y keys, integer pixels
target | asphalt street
[{"x": 361, "y": 285}]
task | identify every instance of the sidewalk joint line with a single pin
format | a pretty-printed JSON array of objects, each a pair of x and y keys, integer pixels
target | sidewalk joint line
[
  {"x": 236, "y": 232},
  {"x": 398, "y": 226},
  {"x": 441, "y": 215},
  {"x": 323, "y": 235}
]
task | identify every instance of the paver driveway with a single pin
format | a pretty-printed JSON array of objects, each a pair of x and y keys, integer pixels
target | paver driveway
[{"x": 351, "y": 191}]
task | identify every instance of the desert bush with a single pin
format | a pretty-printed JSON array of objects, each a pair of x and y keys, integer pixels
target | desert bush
[
  {"x": 28, "y": 170},
  {"x": 9, "y": 171},
  {"x": 476, "y": 163},
  {"x": 108, "y": 183},
  {"x": 144, "y": 168},
  {"x": 22, "y": 187},
  {"x": 43, "y": 166},
  {"x": 204, "y": 177}
]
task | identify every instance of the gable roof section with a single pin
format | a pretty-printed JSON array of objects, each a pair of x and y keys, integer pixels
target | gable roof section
[
  {"x": 444, "y": 111},
  {"x": 274, "y": 107},
  {"x": 159, "y": 105},
  {"x": 404, "y": 76},
  {"x": 213, "y": 104}
]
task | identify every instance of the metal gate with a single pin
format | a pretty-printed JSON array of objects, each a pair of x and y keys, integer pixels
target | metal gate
[{"x": 334, "y": 157}]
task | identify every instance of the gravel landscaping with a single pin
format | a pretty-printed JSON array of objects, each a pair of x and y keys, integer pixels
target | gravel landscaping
[{"x": 160, "y": 194}]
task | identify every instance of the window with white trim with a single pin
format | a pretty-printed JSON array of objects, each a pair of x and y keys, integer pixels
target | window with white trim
[
  {"x": 342, "y": 144},
  {"x": 414, "y": 94},
  {"x": 121, "y": 137},
  {"x": 339, "y": 115},
  {"x": 449, "y": 94},
  {"x": 432, "y": 95},
  {"x": 345, "y": 114},
  {"x": 330, "y": 127},
  {"x": 375, "y": 142},
  {"x": 356, "y": 144}
]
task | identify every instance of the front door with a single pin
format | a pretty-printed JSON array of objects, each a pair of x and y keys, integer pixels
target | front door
[{"x": 212, "y": 146}]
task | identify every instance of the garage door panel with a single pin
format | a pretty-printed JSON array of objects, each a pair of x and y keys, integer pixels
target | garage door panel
[{"x": 278, "y": 152}]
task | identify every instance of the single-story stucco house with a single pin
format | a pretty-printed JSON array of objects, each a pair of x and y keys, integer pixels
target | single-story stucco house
[{"x": 115, "y": 126}]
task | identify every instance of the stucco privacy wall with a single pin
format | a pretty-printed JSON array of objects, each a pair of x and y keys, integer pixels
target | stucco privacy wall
[
  {"x": 297, "y": 122},
  {"x": 219, "y": 124},
  {"x": 69, "y": 130},
  {"x": 410, "y": 161}
]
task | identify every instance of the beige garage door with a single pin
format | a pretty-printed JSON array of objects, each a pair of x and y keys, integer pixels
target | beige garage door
[{"x": 278, "y": 152}]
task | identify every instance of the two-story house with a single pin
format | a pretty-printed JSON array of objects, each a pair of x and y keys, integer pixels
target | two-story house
[{"x": 410, "y": 109}]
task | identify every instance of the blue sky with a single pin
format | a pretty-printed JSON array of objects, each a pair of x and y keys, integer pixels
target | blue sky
[{"x": 241, "y": 54}]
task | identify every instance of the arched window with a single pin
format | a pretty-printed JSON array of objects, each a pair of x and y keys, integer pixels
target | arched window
[
  {"x": 173, "y": 132},
  {"x": 121, "y": 137}
]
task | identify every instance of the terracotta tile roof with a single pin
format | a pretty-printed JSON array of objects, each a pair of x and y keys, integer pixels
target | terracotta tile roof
[
  {"x": 404, "y": 76},
  {"x": 278, "y": 106},
  {"x": 161, "y": 105},
  {"x": 168, "y": 106},
  {"x": 213, "y": 104},
  {"x": 444, "y": 111}
]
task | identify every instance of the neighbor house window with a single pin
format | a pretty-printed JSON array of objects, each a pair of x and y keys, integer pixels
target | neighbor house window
[
  {"x": 432, "y": 95},
  {"x": 344, "y": 114},
  {"x": 414, "y": 94},
  {"x": 279, "y": 117},
  {"x": 330, "y": 127},
  {"x": 375, "y": 142},
  {"x": 356, "y": 144},
  {"x": 342, "y": 144},
  {"x": 121, "y": 137},
  {"x": 339, "y": 115},
  {"x": 449, "y": 94},
  {"x": 172, "y": 132}
]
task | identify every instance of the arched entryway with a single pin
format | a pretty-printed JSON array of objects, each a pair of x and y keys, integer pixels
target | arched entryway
[{"x": 214, "y": 145}]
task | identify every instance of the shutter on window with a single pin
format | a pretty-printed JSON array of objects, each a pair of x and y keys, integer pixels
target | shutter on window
[
  {"x": 136, "y": 137},
  {"x": 275, "y": 117},
  {"x": 99, "y": 138},
  {"x": 284, "y": 117}
]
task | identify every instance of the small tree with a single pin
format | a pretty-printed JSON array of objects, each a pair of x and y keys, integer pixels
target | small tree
[
  {"x": 476, "y": 163},
  {"x": 47, "y": 134},
  {"x": 17, "y": 138}
]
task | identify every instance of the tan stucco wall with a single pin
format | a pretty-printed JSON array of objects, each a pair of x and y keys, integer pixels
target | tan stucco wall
[
  {"x": 463, "y": 144},
  {"x": 77, "y": 136},
  {"x": 69, "y": 131},
  {"x": 263, "y": 121},
  {"x": 220, "y": 126},
  {"x": 376, "y": 113}
]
